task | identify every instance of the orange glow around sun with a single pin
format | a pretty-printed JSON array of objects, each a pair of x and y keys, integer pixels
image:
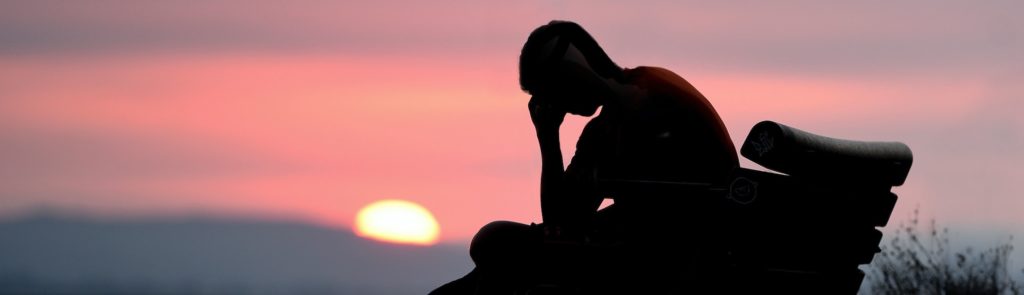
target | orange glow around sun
[{"x": 397, "y": 221}]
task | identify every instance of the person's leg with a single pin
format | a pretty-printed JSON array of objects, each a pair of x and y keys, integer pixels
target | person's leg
[
  {"x": 506, "y": 256},
  {"x": 466, "y": 285},
  {"x": 503, "y": 245}
]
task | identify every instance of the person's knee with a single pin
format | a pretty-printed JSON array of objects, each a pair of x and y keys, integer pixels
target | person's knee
[{"x": 499, "y": 241}]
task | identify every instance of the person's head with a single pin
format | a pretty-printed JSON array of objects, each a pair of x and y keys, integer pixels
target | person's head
[{"x": 562, "y": 63}]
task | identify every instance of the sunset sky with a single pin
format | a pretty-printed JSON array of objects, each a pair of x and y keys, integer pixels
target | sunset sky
[{"x": 314, "y": 109}]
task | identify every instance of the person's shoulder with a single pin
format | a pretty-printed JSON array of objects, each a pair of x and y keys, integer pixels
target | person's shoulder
[
  {"x": 662, "y": 84},
  {"x": 651, "y": 74},
  {"x": 647, "y": 69}
]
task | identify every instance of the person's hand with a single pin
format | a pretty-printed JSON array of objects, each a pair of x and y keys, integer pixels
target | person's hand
[{"x": 544, "y": 114}]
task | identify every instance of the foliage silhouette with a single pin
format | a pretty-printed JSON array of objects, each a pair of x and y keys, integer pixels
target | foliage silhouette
[{"x": 919, "y": 260}]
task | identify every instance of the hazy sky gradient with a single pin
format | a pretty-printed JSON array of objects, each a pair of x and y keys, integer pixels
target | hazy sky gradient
[{"x": 315, "y": 108}]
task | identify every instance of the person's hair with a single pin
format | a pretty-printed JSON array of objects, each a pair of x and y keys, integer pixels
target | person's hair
[{"x": 534, "y": 66}]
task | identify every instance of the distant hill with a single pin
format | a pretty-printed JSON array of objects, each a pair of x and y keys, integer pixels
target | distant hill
[{"x": 60, "y": 254}]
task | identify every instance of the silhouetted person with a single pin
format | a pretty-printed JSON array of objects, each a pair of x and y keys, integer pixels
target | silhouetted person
[{"x": 653, "y": 125}]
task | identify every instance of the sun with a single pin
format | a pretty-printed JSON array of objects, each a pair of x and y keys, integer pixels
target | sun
[{"x": 397, "y": 221}]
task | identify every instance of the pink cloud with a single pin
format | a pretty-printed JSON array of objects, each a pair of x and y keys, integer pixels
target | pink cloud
[{"x": 319, "y": 136}]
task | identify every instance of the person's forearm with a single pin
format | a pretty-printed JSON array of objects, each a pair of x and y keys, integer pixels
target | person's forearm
[{"x": 552, "y": 174}]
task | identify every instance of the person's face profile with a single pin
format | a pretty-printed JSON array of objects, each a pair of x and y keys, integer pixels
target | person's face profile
[
  {"x": 568, "y": 85},
  {"x": 580, "y": 89},
  {"x": 568, "y": 94},
  {"x": 563, "y": 79}
]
